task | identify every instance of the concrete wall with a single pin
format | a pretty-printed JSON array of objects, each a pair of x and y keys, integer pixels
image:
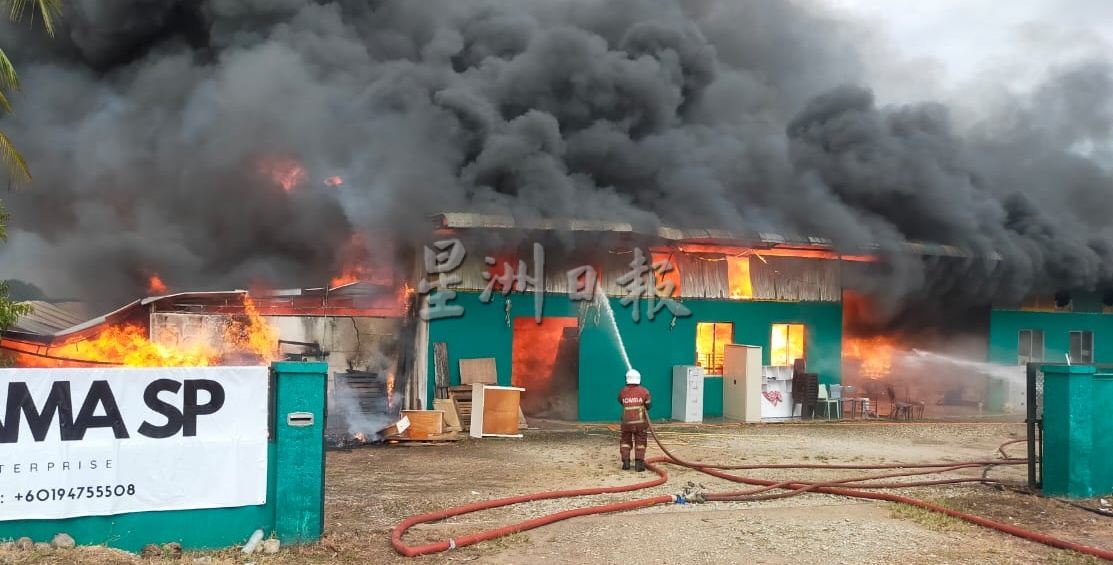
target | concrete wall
[
  {"x": 352, "y": 342},
  {"x": 357, "y": 343},
  {"x": 654, "y": 347}
]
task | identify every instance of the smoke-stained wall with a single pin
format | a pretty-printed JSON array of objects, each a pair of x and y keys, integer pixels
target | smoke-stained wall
[{"x": 160, "y": 136}]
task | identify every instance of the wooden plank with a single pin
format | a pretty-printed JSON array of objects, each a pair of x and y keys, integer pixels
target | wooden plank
[
  {"x": 424, "y": 423},
  {"x": 478, "y": 371},
  {"x": 396, "y": 429},
  {"x": 431, "y": 440},
  {"x": 461, "y": 398},
  {"x": 500, "y": 410},
  {"x": 451, "y": 417},
  {"x": 440, "y": 368},
  {"x": 476, "y": 428}
]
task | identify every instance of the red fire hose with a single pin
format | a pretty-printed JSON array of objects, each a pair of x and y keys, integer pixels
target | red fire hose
[
  {"x": 856, "y": 487},
  {"x": 408, "y": 551}
]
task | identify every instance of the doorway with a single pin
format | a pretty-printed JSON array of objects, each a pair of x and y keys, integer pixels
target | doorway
[{"x": 546, "y": 362}]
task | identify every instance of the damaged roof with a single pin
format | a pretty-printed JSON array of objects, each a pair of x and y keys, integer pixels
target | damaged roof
[
  {"x": 65, "y": 320},
  {"x": 51, "y": 317},
  {"x": 463, "y": 220}
]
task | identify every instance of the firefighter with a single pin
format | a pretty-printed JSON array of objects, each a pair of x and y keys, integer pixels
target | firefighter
[{"x": 635, "y": 402}]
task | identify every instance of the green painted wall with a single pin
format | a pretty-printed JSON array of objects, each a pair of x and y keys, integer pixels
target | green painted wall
[
  {"x": 1005, "y": 326},
  {"x": 293, "y": 513},
  {"x": 654, "y": 347}
]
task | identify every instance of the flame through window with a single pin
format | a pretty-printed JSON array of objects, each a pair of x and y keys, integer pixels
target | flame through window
[
  {"x": 786, "y": 344},
  {"x": 711, "y": 341}
]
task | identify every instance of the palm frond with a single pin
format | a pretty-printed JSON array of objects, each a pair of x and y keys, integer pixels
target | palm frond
[
  {"x": 49, "y": 11},
  {"x": 13, "y": 162},
  {"x": 9, "y": 80}
]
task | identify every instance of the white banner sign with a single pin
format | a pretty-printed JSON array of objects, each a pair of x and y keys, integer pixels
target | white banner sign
[{"x": 95, "y": 442}]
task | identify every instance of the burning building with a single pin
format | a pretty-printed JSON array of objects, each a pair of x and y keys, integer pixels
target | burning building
[
  {"x": 781, "y": 293},
  {"x": 791, "y": 296},
  {"x": 356, "y": 328}
]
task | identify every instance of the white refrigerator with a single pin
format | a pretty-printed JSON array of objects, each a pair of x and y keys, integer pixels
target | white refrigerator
[{"x": 687, "y": 393}]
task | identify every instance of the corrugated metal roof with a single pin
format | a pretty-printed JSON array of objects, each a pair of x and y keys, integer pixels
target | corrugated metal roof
[
  {"x": 461, "y": 220},
  {"x": 51, "y": 317}
]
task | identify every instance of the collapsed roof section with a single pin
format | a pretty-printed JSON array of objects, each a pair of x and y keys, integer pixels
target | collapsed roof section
[{"x": 53, "y": 323}]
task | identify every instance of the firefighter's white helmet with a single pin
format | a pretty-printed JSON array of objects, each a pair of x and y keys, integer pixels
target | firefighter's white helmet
[{"x": 633, "y": 377}]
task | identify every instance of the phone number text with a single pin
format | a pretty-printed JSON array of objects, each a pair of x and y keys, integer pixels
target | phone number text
[{"x": 74, "y": 493}]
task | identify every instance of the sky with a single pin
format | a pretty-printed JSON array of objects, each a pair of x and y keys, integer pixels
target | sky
[{"x": 969, "y": 43}]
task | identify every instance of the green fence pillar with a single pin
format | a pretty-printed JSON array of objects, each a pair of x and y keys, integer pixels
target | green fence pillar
[
  {"x": 299, "y": 419},
  {"x": 1068, "y": 433},
  {"x": 1103, "y": 434}
]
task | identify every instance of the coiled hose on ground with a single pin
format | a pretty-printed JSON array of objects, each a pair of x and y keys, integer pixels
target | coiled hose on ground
[{"x": 857, "y": 487}]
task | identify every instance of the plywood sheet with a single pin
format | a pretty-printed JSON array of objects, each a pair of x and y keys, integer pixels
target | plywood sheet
[
  {"x": 500, "y": 410},
  {"x": 451, "y": 417},
  {"x": 495, "y": 410},
  {"x": 424, "y": 423},
  {"x": 478, "y": 371}
]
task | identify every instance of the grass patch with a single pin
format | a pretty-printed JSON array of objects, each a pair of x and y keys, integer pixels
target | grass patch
[
  {"x": 934, "y": 521},
  {"x": 505, "y": 542}
]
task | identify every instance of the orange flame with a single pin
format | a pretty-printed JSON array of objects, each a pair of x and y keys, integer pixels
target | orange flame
[
  {"x": 711, "y": 341},
  {"x": 671, "y": 275},
  {"x": 155, "y": 286},
  {"x": 738, "y": 275},
  {"x": 334, "y": 181},
  {"x": 355, "y": 256},
  {"x": 390, "y": 390},
  {"x": 875, "y": 355},
  {"x": 350, "y": 274},
  {"x": 256, "y": 335},
  {"x": 128, "y": 345},
  {"x": 786, "y": 344},
  {"x": 287, "y": 173}
]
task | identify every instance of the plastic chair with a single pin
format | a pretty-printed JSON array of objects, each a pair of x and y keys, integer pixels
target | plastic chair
[
  {"x": 828, "y": 401},
  {"x": 805, "y": 392},
  {"x": 859, "y": 405}
]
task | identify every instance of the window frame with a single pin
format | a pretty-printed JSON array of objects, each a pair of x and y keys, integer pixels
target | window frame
[
  {"x": 709, "y": 368},
  {"x": 788, "y": 339},
  {"x": 1081, "y": 358},
  {"x": 1032, "y": 341}
]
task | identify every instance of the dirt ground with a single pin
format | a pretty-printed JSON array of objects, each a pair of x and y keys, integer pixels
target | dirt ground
[{"x": 371, "y": 489}]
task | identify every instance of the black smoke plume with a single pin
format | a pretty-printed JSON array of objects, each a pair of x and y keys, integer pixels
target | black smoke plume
[{"x": 155, "y": 129}]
